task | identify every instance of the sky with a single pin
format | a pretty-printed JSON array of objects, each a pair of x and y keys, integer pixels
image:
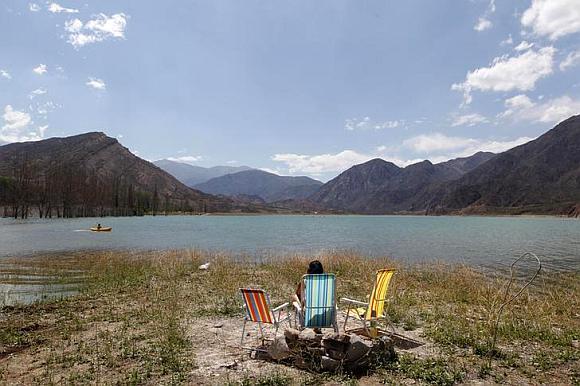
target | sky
[{"x": 294, "y": 87}]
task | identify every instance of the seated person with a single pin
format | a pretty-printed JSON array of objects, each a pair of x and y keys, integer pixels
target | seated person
[{"x": 314, "y": 268}]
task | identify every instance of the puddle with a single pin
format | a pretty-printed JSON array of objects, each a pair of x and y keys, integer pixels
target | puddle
[
  {"x": 21, "y": 284},
  {"x": 14, "y": 294}
]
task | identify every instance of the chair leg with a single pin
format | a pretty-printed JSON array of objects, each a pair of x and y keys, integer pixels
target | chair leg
[
  {"x": 261, "y": 331},
  {"x": 346, "y": 318},
  {"x": 243, "y": 333}
]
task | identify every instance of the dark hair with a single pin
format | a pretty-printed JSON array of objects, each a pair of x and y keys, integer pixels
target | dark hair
[{"x": 315, "y": 268}]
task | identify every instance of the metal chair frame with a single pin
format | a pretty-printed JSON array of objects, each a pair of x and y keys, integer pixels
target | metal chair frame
[{"x": 276, "y": 320}]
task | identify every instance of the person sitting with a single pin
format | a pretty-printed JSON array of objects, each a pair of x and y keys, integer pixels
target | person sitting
[{"x": 314, "y": 268}]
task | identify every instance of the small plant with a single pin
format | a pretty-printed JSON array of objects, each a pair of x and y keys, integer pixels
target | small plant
[{"x": 433, "y": 371}]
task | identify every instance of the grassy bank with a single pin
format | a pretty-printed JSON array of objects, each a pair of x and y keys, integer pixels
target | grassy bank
[{"x": 155, "y": 318}]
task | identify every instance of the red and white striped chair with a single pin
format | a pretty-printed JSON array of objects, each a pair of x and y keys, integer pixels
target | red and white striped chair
[{"x": 259, "y": 310}]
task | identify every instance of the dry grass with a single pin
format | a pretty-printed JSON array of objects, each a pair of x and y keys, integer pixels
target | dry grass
[{"x": 126, "y": 325}]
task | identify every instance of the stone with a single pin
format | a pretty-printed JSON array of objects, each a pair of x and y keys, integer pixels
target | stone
[
  {"x": 309, "y": 335},
  {"x": 575, "y": 343},
  {"x": 279, "y": 350},
  {"x": 329, "y": 364},
  {"x": 291, "y": 336},
  {"x": 301, "y": 363},
  {"x": 336, "y": 342},
  {"x": 357, "y": 348}
]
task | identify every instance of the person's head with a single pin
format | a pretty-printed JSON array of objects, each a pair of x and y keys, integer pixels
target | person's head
[{"x": 315, "y": 268}]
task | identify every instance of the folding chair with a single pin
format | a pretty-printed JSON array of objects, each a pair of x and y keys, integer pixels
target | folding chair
[
  {"x": 369, "y": 313},
  {"x": 259, "y": 310},
  {"x": 319, "y": 307}
]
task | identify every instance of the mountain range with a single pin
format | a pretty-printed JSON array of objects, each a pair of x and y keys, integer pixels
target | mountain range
[
  {"x": 92, "y": 174},
  {"x": 268, "y": 186},
  {"x": 379, "y": 186},
  {"x": 539, "y": 177},
  {"x": 192, "y": 175}
]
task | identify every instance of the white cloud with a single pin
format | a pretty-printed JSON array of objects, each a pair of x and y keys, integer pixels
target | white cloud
[
  {"x": 573, "y": 59},
  {"x": 270, "y": 170},
  {"x": 99, "y": 29},
  {"x": 522, "y": 108},
  {"x": 97, "y": 84},
  {"x": 553, "y": 18},
  {"x": 482, "y": 24},
  {"x": 509, "y": 73},
  {"x": 188, "y": 159},
  {"x": 453, "y": 147},
  {"x": 468, "y": 119},
  {"x": 323, "y": 163},
  {"x": 37, "y": 92},
  {"x": 523, "y": 46},
  {"x": 33, "y": 7},
  {"x": 16, "y": 127},
  {"x": 5, "y": 74},
  {"x": 57, "y": 8},
  {"x": 507, "y": 41},
  {"x": 436, "y": 142},
  {"x": 366, "y": 123},
  {"x": 40, "y": 69}
]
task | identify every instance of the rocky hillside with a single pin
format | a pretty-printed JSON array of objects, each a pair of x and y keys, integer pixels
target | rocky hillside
[
  {"x": 89, "y": 171},
  {"x": 258, "y": 183},
  {"x": 541, "y": 176},
  {"x": 378, "y": 186},
  {"x": 192, "y": 175}
]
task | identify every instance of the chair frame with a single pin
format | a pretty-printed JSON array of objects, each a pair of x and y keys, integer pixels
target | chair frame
[
  {"x": 301, "y": 310},
  {"x": 276, "y": 320},
  {"x": 367, "y": 324}
]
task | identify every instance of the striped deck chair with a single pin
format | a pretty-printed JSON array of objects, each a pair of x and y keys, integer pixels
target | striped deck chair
[
  {"x": 319, "y": 307},
  {"x": 258, "y": 310},
  {"x": 369, "y": 313}
]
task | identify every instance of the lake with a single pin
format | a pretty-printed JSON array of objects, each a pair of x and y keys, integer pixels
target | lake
[{"x": 478, "y": 241}]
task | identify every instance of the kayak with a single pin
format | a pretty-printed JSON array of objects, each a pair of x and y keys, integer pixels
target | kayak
[{"x": 101, "y": 229}]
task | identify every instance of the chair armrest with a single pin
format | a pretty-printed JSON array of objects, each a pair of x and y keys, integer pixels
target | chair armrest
[
  {"x": 355, "y": 302},
  {"x": 281, "y": 307},
  {"x": 297, "y": 305}
]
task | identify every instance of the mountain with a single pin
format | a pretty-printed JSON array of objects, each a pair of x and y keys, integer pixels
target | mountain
[
  {"x": 268, "y": 186},
  {"x": 92, "y": 174},
  {"x": 192, "y": 175},
  {"x": 541, "y": 176},
  {"x": 378, "y": 186}
]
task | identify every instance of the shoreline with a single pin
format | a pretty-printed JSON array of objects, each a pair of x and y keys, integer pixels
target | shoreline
[{"x": 157, "y": 318}]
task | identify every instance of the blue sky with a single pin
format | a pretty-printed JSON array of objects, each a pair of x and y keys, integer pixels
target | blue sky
[{"x": 295, "y": 87}]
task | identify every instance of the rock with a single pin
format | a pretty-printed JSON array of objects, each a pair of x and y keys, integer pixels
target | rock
[
  {"x": 309, "y": 335},
  {"x": 218, "y": 325},
  {"x": 357, "y": 348},
  {"x": 301, "y": 363},
  {"x": 329, "y": 364},
  {"x": 575, "y": 343},
  {"x": 336, "y": 345},
  {"x": 279, "y": 350},
  {"x": 338, "y": 340},
  {"x": 291, "y": 336}
]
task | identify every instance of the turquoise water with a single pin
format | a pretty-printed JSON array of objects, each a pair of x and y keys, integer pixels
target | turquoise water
[{"x": 480, "y": 241}]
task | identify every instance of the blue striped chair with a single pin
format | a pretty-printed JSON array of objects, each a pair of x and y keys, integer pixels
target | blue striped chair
[{"x": 318, "y": 309}]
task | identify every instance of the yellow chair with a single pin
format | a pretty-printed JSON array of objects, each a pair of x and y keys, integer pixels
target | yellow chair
[{"x": 369, "y": 313}]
